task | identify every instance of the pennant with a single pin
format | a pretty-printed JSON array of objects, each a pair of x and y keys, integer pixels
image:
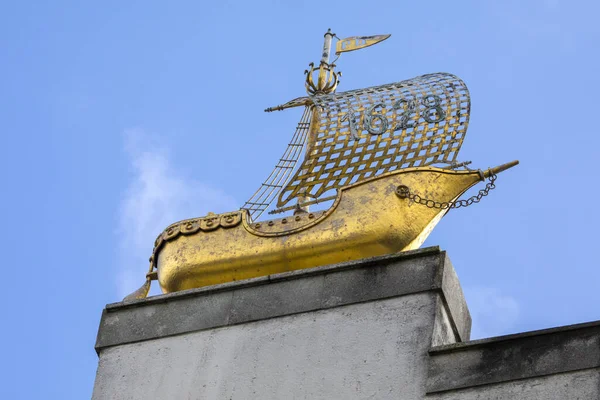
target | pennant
[{"x": 358, "y": 42}]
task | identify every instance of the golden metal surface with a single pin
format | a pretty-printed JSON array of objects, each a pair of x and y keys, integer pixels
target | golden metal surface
[
  {"x": 358, "y": 42},
  {"x": 367, "y": 219},
  {"x": 328, "y": 79},
  {"x": 367, "y": 132},
  {"x": 327, "y": 82},
  {"x": 377, "y": 153}
]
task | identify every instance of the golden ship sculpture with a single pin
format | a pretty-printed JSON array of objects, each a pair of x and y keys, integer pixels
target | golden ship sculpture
[{"x": 385, "y": 157}]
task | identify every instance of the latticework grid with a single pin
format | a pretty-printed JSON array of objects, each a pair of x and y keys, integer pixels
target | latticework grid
[
  {"x": 368, "y": 132},
  {"x": 267, "y": 192}
]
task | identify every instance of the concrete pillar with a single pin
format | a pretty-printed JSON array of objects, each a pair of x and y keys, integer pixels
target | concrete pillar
[{"x": 354, "y": 330}]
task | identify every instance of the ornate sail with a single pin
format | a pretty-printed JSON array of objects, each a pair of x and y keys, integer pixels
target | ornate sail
[
  {"x": 367, "y": 132},
  {"x": 267, "y": 192},
  {"x": 370, "y": 136}
]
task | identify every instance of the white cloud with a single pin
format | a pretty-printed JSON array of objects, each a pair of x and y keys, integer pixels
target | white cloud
[
  {"x": 493, "y": 312},
  {"x": 157, "y": 196}
]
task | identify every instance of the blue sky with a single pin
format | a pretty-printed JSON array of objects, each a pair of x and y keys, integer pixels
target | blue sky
[{"x": 118, "y": 118}]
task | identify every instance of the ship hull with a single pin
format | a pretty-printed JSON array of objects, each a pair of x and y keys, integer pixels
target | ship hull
[{"x": 367, "y": 219}]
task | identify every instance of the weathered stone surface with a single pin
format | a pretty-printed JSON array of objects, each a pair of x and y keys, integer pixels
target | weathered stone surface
[
  {"x": 348, "y": 331},
  {"x": 382, "y": 328},
  {"x": 507, "y": 358},
  {"x": 442, "y": 326},
  {"x": 455, "y": 301},
  {"x": 367, "y": 350},
  {"x": 288, "y": 293},
  {"x": 580, "y": 385}
]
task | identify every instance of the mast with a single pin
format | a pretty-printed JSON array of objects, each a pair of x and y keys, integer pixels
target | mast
[
  {"x": 324, "y": 66},
  {"x": 327, "y": 82},
  {"x": 307, "y": 130}
]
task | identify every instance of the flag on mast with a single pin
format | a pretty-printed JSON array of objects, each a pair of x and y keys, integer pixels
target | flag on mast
[{"x": 358, "y": 42}]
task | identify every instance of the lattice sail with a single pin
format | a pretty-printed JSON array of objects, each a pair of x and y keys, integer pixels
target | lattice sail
[
  {"x": 267, "y": 192},
  {"x": 367, "y": 132}
]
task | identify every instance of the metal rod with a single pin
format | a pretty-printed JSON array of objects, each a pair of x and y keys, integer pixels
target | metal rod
[
  {"x": 302, "y": 205},
  {"x": 324, "y": 67},
  {"x": 500, "y": 168}
]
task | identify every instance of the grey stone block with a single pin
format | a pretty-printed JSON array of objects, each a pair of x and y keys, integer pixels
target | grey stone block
[
  {"x": 355, "y": 330},
  {"x": 374, "y": 349},
  {"x": 288, "y": 293},
  {"x": 579, "y": 385},
  {"x": 512, "y": 357}
]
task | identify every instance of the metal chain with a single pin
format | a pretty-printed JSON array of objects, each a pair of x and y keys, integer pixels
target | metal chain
[{"x": 404, "y": 192}]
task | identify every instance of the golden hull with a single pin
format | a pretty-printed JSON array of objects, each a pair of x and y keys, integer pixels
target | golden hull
[{"x": 367, "y": 219}]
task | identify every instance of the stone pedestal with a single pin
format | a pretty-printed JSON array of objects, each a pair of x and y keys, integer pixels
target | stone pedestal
[{"x": 391, "y": 327}]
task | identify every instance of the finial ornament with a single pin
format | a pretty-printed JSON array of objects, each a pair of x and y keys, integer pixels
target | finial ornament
[
  {"x": 328, "y": 79},
  {"x": 324, "y": 86},
  {"x": 382, "y": 162}
]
